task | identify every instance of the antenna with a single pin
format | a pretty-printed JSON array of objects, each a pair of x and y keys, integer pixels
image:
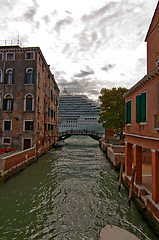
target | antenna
[{"x": 18, "y": 40}]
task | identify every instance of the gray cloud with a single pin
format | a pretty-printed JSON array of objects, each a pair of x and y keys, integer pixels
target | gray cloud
[
  {"x": 83, "y": 74},
  {"x": 77, "y": 87},
  {"x": 63, "y": 22},
  {"x": 108, "y": 67},
  {"x": 99, "y": 12},
  {"x": 46, "y": 19},
  {"x": 30, "y": 14}
]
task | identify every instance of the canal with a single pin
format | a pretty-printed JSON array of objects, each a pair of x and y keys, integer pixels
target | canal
[{"x": 69, "y": 193}]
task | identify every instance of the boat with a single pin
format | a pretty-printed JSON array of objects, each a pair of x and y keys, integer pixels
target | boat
[
  {"x": 60, "y": 143},
  {"x": 111, "y": 232},
  {"x": 120, "y": 229},
  {"x": 78, "y": 112}
]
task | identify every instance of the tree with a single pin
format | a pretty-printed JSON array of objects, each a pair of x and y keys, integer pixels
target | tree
[{"x": 112, "y": 109}]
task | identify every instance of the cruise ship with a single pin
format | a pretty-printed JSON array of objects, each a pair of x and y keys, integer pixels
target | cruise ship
[{"x": 78, "y": 112}]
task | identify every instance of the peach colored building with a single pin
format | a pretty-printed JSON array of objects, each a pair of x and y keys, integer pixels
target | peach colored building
[{"x": 142, "y": 125}]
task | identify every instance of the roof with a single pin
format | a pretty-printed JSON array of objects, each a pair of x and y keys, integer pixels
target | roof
[
  {"x": 154, "y": 21},
  {"x": 143, "y": 81}
]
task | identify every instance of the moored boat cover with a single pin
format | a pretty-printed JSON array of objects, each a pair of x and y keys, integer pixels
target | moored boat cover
[{"x": 111, "y": 232}]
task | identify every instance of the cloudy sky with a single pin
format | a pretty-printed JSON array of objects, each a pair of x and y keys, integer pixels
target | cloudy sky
[{"x": 89, "y": 44}]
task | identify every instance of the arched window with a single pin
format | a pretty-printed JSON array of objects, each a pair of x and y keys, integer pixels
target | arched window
[
  {"x": 9, "y": 76},
  {"x": 8, "y": 102},
  {"x": 29, "y": 102},
  {"x": 29, "y": 76}
]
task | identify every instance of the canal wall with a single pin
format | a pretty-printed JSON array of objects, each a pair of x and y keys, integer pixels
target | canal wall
[
  {"x": 141, "y": 196},
  {"x": 13, "y": 163},
  {"x": 115, "y": 153},
  {"x": 143, "y": 200}
]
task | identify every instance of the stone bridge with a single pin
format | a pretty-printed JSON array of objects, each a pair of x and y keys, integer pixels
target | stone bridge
[{"x": 69, "y": 133}]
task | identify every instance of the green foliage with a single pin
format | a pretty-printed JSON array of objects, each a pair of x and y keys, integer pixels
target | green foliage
[{"x": 112, "y": 109}]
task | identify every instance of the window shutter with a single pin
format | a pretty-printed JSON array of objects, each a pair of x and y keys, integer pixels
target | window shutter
[
  {"x": 4, "y": 104},
  {"x": 5, "y": 77},
  {"x": 138, "y": 109},
  {"x": 129, "y": 112},
  {"x": 13, "y": 76},
  {"x": 33, "y": 76},
  {"x": 143, "y": 107},
  {"x": 25, "y": 77},
  {"x": 126, "y": 113},
  {"x": 12, "y": 105}
]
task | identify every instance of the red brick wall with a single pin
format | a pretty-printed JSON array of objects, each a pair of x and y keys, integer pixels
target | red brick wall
[
  {"x": 13, "y": 160},
  {"x": 152, "y": 108}
]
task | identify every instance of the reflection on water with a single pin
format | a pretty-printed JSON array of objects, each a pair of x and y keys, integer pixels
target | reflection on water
[{"x": 67, "y": 194}]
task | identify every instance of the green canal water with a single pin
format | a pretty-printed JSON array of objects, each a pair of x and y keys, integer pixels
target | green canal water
[{"x": 68, "y": 193}]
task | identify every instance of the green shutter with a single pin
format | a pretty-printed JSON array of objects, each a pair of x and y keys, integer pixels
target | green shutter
[
  {"x": 143, "y": 107},
  {"x": 13, "y": 76},
  {"x": 129, "y": 111},
  {"x": 138, "y": 109},
  {"x": 126, "y": 113},
  {"x": 25, "y": 77}
]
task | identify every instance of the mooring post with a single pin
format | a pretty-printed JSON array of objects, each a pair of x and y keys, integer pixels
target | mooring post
[
  {"x": 131, "y": 185},
  {"x": 120, "y": 176}
]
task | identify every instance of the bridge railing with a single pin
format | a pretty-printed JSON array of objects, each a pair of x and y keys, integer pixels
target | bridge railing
[{"x": 79, "y": 132}]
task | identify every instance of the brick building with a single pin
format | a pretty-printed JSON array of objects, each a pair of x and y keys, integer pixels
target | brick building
[
  {"x": 29, "y": 100},
  {"x": 142, "y": 125}
]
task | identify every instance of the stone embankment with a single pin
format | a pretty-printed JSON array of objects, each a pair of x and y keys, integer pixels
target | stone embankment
[
  {"x": 115, "y": 153},
  {"x": 15, "y": 162}
]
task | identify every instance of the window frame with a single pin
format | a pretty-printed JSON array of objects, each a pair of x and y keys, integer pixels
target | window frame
[
  {"x": 29, "y": 52},
  {"x": 25, "y": 102},
  {"x": 141, "y": 111},
  {"x": 9, "y": 77},
  {"x": 24, "y": 125},
  {"x": 5, "y": 104},
  {"x": 8, "y": 54},
  {"x": 3, "y": 138},
  {"x": 27, "y": 76},
  {"x": 4, "y": 125},
  {"x": 128, "y": 112},
  {"x": 1, "y": 54}
]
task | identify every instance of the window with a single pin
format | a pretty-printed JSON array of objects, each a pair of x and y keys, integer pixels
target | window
[
  {"x": 128, "y": 112},
  {"x": 141, "y": 108},
  {"x": 29, "y": 77},
  {"x": 8, "y": 103},
  {"x": 28, "y": 125},
  {"x": 38, "y": 104},
  {"x": 52, "y": 113},
  {"x": 51, "y": 95},
  {"x": 29, "y": 102},
  {"x": 0, "y": 75},
  {"x": 29, "y": 55},
  {"x": 6, "y": 140},
  {"x": 45, "y": 126},
  {"x": 7, "y": 125},
  {"x": 1, "y": 56},
  {"x": 9, "y": 76},
  {"x": 48, "y": 111},
  {"x": 10, "y": 56},
  {"x": 38, "y": 80}
]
